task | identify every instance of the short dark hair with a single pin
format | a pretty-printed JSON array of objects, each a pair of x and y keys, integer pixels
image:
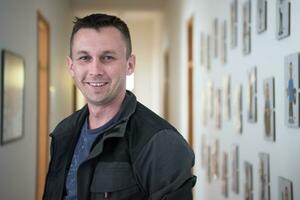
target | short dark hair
[{"x": 99, "y": 20}]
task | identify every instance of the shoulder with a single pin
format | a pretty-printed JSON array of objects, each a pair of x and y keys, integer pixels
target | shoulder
[{"x": 71, "y": 121}]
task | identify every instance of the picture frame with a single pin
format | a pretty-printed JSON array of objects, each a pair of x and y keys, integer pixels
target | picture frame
[
  {"x": 203, "y": 151},
  {"x": 285, "y": 189},
  {"x": 202, "y": 49},
  {"x": 283, "y": 10},
  {"x": 227, "y": 97},
  {"x": 292, "y": 90},
  {"x": 238, "y": 109},
  {"x": 208, "y": 53},
  {"x": 248, "y": 185},
  {"x": 252, "y": 95},
  {"x": 218, "y": 108},
  {"x": 12, "y": 97},
  {"x": 261, "y": 15},
  {"x": 215, "y": 160},
  {"x": 223, "y": 43},
  {"x": 216, "y": 36},
  {"x": 234, "y": 23},
  {"x": 264, "y": 176},
  {"x": 208, "y": 164},
  {"x": 269, "y": 109},
  {"x": 224, "y": 176},
  {"x": 235, "y": 169},
  {"x": 247, "y": 27}
]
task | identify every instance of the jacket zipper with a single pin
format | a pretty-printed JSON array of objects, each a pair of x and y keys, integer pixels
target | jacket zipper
[{"x": 106, "y": 195}]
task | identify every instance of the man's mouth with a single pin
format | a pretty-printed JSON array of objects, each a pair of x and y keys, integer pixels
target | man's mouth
[{"x": 97, "y": 84}]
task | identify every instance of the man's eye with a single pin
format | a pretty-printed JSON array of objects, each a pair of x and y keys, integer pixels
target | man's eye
[
  {"x": 84, "y": 58},
  {"x": 107, "y": 58}
]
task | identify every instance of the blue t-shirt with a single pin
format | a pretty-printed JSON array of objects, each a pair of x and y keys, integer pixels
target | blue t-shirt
[{"x": 82, "y": 150}]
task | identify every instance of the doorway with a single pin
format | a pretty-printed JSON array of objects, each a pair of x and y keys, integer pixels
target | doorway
[
  {"x": 43, "y": 103},
  {"x": 190, "y": 80}
]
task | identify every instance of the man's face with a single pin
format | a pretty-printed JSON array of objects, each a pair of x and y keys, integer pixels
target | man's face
[{"x": 99, "y": 65}]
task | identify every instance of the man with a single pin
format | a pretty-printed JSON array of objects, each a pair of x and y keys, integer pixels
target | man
[{"x": 114, "y": 147}]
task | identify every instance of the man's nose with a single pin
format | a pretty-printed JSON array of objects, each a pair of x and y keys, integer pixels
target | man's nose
[{"x": 96, "y": 68}]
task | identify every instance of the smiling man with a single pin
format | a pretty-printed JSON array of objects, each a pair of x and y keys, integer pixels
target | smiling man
[{"x": 114, "y": 147}]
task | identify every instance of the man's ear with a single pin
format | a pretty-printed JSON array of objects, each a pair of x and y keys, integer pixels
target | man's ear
[
  {"x": 130, "y": 65},
  {"x": 70, "y": 65}
]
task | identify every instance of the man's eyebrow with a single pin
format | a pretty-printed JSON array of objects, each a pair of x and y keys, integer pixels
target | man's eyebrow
[
  {"x": 82, "y": 52},
  {"x": 109, "y": 52}
]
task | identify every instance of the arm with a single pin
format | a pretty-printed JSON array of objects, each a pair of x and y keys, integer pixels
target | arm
[{"x": 164, "y": 166}]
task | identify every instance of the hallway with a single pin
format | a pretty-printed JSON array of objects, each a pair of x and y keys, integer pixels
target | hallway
[{"x": 219, "y": 71}]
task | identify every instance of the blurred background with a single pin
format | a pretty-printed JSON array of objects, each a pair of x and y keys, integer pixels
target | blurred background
[{"x": 192, "y": 58}]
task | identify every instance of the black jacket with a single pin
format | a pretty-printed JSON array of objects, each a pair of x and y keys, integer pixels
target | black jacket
[{"x": 140, "y": 157}]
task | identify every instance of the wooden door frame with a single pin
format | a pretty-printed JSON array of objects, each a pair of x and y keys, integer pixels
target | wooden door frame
[
  {"x": 190, "y": 95},
  {"x": 42, "y": 163}
]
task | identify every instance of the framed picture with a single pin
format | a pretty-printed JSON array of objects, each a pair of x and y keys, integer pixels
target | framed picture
[
  {"x": 226, "y": 97},
  {"x": 252, "y": 95},
  {"x": 291, "y": 74},
  {"x": 261, "y": 15},
  {"x": 12, "y": 97},
  {"x": 238, "y": 108},
  {"x": 248, "y": 185},
  {"x": 203, "y": 151},
  {"x": 264, "y": 176},
  {"x": 247, "y": 27},
  {"x": 223, "y": 49},
  {"x": 283, "y": 9},
  {"x": 218, "y": 109},
  {"x": 215, "y": 160},
  {"x": 269, "y": 108},
  {"x": 234, "y": 23},
  {"x": 203, "y": 105},
  {"x": 202, "y": 49},
  {"x": 224, "y": 176},
  {"x": 208, "y": 55},
  {"x": 208, "y": 163},
  {"x": 216, "y": 35},
  {"x": 235, "y": 169},
  {"x": 210, "y": 99},
  {"x": 285, "y": 189}
]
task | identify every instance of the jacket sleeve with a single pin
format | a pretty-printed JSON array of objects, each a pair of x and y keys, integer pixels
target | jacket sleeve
[{"x": 164, "y": 166}]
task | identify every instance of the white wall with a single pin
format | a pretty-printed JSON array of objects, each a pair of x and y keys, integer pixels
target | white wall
[
  {"x": 18, "y": 21},
  {"x": 268, "y": 55}
]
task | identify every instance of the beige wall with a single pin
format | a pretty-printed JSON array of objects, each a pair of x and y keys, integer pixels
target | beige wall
[{"x": 18, "y": 34}]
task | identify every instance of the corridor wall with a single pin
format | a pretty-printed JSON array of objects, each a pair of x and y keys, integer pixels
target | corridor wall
[
  {"x": 18, "y": 22},
  {"x": 267, "y": 54}
]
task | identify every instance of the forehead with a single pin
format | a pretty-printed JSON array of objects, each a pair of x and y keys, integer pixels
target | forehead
[{"x": 102, "y": 38}]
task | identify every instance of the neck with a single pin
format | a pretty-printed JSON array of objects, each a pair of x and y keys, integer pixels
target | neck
[{"x": 101, "y": 114}]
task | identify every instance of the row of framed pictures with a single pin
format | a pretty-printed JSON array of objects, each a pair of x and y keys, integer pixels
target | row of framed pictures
[
  {"x": 283, "y": 13},
  {"x": 216, "y": 102},
  {"x": 210, "y": 162}
]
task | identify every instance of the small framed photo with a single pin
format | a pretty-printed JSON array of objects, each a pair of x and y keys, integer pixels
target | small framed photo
[
  {"x": 235, "y": 169},
  {"x": 247, "y": 27},
  {"x": 224, "y": 176},
  {"x": 218, "y": 109},
  {"x": 226, "y": 97},
  {"x": 202, "y": 49},
  {"x": 234, "y": 23},
  {"x": 215, "y": 160},
  {"x": 210, "y": 99},
  {"x": 269, "y": 109},
  {"x": 208, "y": 55},
  {"x": 248, "y": 185},
  {"x": 216, "y": 36},
  {"x": 238, "y": 108},
  {"x": 208, "y": 163},
  {"x": 285, "y": 189},
  {"x": 264, "y": 176},
  {"x": 12, "y": 97},
  {"x": 203, "y": 151},
  {"x": 261, "y": 15},
  {"x": 283, "y": 9},
  {"x": 223, "y": 49},
  {"x": 291, "y": 74},
  {"x": 203, "y": 105},
  {"x": 252, "y": 95}
]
